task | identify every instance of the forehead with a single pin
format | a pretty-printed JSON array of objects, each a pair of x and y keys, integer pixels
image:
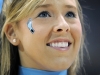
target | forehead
[{"x": 71, "y": 3}]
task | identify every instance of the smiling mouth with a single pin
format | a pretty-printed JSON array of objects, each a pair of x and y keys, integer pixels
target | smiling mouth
[{"x": 59, "y": 45}]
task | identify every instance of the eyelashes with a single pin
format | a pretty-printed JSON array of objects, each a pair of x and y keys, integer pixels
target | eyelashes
[
  {"x": 70, "y": 14},
  {"x": 45, "y": 14}
]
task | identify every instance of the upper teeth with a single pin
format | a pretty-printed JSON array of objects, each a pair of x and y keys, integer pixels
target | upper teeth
[{"x": 59, "y": 44}]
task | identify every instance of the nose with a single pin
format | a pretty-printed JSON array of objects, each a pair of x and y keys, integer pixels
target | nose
[{"x": 61, "y": 25}]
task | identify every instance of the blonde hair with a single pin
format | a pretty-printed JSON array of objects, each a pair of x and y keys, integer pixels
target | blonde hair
[{"x": 14, "y": 11}]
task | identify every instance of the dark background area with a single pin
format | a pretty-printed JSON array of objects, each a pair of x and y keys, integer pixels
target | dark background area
[{"x": 91, "y": 10}]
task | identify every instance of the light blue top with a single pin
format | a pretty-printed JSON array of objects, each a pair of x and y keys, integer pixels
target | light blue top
[
  {"x": 1, "y": 1},
  {"x": 30, "y": 71}
]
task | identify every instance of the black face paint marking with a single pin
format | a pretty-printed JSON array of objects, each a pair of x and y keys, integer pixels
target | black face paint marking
[{"x": 29, "y": 25}]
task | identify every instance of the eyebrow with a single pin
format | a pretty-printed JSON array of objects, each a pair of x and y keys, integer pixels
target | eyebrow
[
  {"x": 71, "y": 6},
  {"x": 44, "y": 6},
  {"x": 49, "y": 5}
]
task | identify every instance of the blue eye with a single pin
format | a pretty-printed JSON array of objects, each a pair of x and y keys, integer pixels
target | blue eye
[
  {"x": 44, "y": 14},
  {"x": 70, "y": 15}
]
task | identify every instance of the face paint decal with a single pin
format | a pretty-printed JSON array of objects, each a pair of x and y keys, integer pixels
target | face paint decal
[{"x": 29, "y": 24}]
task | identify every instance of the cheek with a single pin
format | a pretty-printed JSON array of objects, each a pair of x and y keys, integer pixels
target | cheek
[
  {"x": 42, "y": 30},
  {"x": 22, "y": 29},
  {"x": 41, "y": 34},
  {"x": 77, "y": 35},
  {"x": 76, "y": 30}
]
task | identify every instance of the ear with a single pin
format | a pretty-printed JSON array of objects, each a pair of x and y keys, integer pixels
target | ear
[{"x": 11, "y": 34}]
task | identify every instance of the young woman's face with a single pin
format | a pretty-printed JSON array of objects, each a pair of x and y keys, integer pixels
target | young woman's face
[{"x": 56, "y": 41}]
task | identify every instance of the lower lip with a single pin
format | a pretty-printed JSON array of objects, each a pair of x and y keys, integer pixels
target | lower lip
[{"x": 61, "y": 49}]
